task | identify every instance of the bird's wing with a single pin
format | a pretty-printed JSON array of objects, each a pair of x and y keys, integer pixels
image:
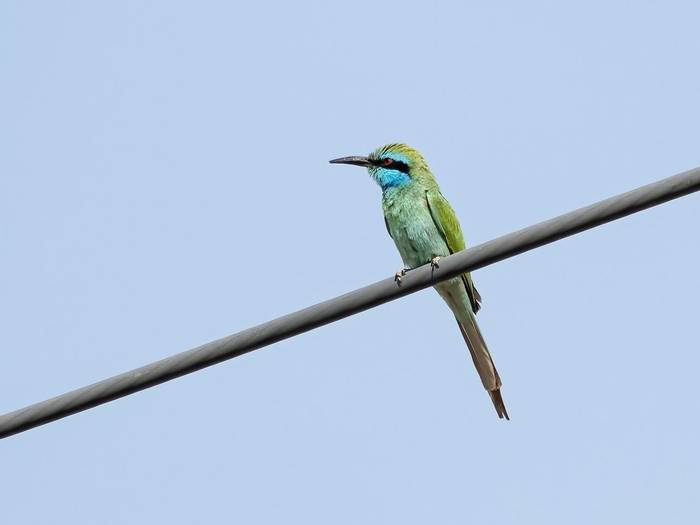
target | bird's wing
[
  {"x": 447, "y": 224},
  {"x": 386, "y": 223}
]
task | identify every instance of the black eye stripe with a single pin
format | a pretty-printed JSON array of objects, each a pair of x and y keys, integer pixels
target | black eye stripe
[{"x": 396, "y": 165}]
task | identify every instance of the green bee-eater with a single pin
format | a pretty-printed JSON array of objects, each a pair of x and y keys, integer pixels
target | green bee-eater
[{"x": 424, "y": 228}]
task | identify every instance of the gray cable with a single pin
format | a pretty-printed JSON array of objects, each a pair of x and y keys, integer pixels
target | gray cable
[{"x": 349, "y": 304}]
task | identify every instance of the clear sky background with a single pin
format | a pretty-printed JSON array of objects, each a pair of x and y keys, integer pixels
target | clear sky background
[{"x": 164, "y": 182}]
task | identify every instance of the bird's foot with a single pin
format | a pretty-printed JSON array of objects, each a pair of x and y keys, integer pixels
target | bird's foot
[
  {"x": 434, "y": 262},
  {"x": 398, "y": 275}
]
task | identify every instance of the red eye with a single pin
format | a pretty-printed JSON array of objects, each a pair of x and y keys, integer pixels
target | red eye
[{"x": 388, "y": 162}]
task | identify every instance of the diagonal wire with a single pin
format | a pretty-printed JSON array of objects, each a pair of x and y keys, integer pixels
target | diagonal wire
[{"x": 349, "y": 304}]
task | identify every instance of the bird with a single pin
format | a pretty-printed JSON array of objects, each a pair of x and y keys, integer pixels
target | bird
[{"x": 425, "y": 228}]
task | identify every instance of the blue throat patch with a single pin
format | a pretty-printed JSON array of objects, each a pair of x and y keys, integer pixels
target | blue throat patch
[{"x": 390, "y": 178}]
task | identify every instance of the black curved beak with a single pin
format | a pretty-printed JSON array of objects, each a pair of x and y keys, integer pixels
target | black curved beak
[{"x": 355, "y": 161}]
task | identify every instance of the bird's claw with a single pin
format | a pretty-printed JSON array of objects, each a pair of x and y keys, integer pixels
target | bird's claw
[
  {"x": 434, "y": 262},
  {"x": 398, "y": 275}
]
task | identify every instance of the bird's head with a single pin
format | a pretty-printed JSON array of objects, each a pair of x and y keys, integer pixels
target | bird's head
[{"x": 391, "y": 166}]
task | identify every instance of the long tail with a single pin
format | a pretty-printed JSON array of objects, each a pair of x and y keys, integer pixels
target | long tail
[{"x": 482, "y": 361}]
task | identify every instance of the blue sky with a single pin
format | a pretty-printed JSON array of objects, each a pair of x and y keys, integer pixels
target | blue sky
[{"x": 164, "y": 182}]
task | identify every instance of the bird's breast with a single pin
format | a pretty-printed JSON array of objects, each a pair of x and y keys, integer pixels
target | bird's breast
[{"x": 413, "y": 230}]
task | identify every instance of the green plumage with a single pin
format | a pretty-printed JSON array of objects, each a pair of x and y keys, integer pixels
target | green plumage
[{"x": 423, "y": 226}]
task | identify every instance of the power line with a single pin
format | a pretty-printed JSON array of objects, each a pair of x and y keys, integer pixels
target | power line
[{"x": 349, "y": 304}]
